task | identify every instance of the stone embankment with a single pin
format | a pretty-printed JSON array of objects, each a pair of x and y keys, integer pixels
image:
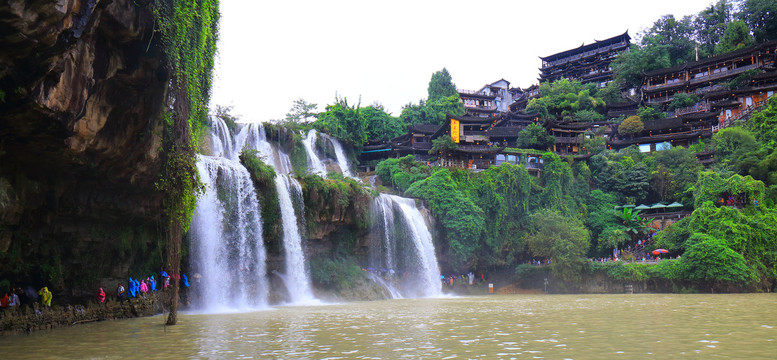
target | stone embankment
[{"x": 34, "y": 318}]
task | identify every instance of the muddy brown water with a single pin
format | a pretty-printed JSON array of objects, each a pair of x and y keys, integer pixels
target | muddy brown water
[{"x": 657, "y": 326}]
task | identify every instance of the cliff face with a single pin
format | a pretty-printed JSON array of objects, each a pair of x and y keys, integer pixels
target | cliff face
[{"x": 82, "y": 93}]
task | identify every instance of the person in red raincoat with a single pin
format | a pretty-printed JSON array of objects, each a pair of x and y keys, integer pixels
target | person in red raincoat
[{"x": 101, "y": 296}]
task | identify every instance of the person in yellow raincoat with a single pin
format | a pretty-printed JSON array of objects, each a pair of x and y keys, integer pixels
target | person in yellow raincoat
[{"x": 45, "y": 296}]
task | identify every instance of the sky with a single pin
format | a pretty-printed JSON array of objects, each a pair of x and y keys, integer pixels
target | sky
[{"x": 274, "y": 52}]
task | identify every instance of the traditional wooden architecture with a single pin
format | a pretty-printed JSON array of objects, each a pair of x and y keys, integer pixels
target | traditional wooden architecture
[
  {"x": 490, "y": 99},
  {"x": 587, "y": 63},
  {"x": 730, "y": 85},
  {"x": 663, "y": 134},
  {"x": 570, "y": 135}
]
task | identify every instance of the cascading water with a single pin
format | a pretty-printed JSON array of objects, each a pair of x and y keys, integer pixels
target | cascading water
[
  {"x": 297, "y": 277},
  {"x": 227, "y": 246},
  {"x": 315, "y": 165},
  {"x": 342, "y": 159},
  {"x": 402, "y": 247}
]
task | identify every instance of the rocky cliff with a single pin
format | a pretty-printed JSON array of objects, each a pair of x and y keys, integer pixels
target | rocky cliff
[{"x": 82, "y": 89}]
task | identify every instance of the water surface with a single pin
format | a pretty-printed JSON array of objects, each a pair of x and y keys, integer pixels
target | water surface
[{"x": 496, "y": 327}]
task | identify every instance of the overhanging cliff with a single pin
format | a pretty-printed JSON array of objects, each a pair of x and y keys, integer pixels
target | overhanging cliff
[{"x": 83, "y": 91}]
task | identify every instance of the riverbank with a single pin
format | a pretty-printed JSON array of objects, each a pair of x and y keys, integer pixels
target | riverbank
[{"x": 35, "y": 318}]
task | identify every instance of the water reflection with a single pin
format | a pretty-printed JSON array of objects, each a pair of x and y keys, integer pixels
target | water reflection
[{"x": 568, "y": 326}]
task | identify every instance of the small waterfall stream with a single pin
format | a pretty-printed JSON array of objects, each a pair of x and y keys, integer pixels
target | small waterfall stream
[
  {"x": 402, "y": 247},
  {"x": 297, "y": 275},
  {"x": 315, "y": 165}
]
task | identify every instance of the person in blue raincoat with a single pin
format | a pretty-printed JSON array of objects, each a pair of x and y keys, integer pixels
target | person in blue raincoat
[
  {"x": 131, "y": 288},
  {"x": 185, "y": 280},
  {"x": 152, "y": 283}
]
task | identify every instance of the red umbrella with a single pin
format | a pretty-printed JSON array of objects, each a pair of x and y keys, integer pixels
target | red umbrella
[{"x": 659, "y": 251}]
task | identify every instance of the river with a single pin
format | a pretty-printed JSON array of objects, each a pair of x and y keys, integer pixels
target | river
[{"x": 492, "y": 327}]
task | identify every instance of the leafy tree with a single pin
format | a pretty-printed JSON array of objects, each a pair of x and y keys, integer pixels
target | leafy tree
[
  {"x": 381, "y": 124},
  {"x": 461, "y": 219},
  {"x": 676, "y": 172},
  {"x": 736, "y": 149},
  {"x": 301, "y": 112},
  {"x": 737, "y": 36},
  {"x": 631, "y": 125},
  {"x": 402, "y": 172},
  {"x": 682, "y": 100},
  {"x": 443, "y": 145},
  {"x": 441, "y": 86},
  {"x": 711, "y": 187},
  {"x": 761, "y": 17},
  {"x": 629, "y": 66},
  {"x": 611, "y": 94},
  {"x": 710, "y": 259},
  {"x": 344, "y": 122},
  {"x": 676, "y": 35},
  {"x": 587, "y": 116},
  {"x": 710, "y": 24},
  {"x": 534, "y": 136},
  {"x": 651, "y": 113},
  {"x": 432, "y": 112},
  {"x": 763, "y": 123},
  {"x": 562, "y": 239},
  {"x": 564, "y": 98}
]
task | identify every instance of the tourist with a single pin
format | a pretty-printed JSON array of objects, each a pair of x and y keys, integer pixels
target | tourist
[
  {"x": 152, "y": 283},
  {"x": 101, "y": 296},
  {"x": 121, "y": 294},
  {"x": 4, "y": 301},
  {"x": 13, "y": 299},
  {"x": 143, "y": 288},
  {"x": 45, "y": 296},
  {"x": 185, "y": 281}
]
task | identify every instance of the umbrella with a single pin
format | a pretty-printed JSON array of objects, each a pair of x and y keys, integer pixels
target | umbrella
[
  {"x": 675, "y": 205},
  {"x": 642, "y": 207},
  {"x": 658, "y": 206},
  {"x": 197, "y": 276},
  {"x": 659, "y": 251}
]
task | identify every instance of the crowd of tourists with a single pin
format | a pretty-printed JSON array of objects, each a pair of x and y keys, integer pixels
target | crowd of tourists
[
  {"x": 468, "y": 279},
  {"x": 18, "y": 296},
  {"x": 141, "y": 288}
]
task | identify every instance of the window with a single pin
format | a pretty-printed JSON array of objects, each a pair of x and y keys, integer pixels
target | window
[{"x": 645, "y": 148}]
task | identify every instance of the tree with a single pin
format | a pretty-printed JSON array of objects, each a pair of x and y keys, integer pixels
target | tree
[
  {"x": 710, "y": 259},
  {"x": 442, "y": 146},
  {"x": 562, "y": 239},
  {"x": 763, "y": 123},
  {"x": 761, "y": 17},
  {"x": 675, "y": 35},
  {"x": 381, "y": 124},
  {"x": 682, "y": 100},
  {"x": 441, "y": 86},
  {"x": 651, "y": 113},
  {"x": 629, "y": 66},
  {"x": 737, "y": 36},
  {"x": 710, "y": 24},
  {"x": 534, "y": 136},
  {"x": 631, "y": 125},
  {"x": 301, "y": 112},
  {"x": 344, "y": 122},
  {"x": 432, "y": 112}
]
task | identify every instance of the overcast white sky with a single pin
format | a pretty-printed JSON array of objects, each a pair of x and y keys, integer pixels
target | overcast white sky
[{"x": 273, "y": 52}]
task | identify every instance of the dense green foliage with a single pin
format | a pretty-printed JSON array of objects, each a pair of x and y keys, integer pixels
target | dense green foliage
[
  {"x": 567, "y": 99},
  {"x": 441, "y": 85},
  {"x": 535, "y": 136},
  {"x": 722, "y": 27}
]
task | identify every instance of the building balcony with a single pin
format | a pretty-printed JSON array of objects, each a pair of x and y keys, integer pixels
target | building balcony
[
  {"x": 722, "y": 74},
  {"x": 481, "y": 107}
]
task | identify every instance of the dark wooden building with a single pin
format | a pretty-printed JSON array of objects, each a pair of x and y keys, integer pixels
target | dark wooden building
[{"x": 587, "y": 63}]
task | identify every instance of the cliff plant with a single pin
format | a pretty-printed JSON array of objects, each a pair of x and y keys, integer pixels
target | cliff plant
[{"x": 187, "y": 38}]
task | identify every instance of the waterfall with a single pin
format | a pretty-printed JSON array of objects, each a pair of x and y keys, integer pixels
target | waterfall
[
  {"x": 315, "y": 165},
  {"x": 342, "y": 159},
  {"x": 402, "y": 247},
  {"x": 297, "y": 276},
  {"x": 227, "y": 247}
]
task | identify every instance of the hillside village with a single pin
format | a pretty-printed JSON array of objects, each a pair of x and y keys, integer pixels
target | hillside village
[{"x": 676, "y": 106}]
